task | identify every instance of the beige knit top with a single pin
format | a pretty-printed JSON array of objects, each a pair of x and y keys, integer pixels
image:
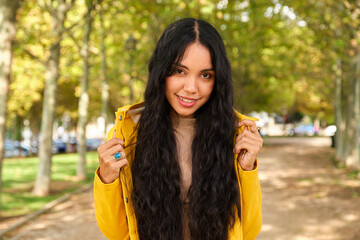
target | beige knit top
[{"x": 184, "y": 129}]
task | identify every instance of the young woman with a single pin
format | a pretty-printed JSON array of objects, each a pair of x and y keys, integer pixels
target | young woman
[{"x": 182, "y": 164}]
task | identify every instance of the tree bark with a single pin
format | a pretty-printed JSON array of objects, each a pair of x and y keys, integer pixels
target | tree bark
[
  {"x": 352, "y": 159},
  {"x": 347, "y": 132},
  {"x": 131, "y": 81},
  {"x": 338, "y": 135},
  {"x": 8, "y": 9},
  {"x": 42, "y": 183},
  {"x": 357, "y": 114},
  {"x": 84, "y": 95},
  {"x": 104, "y": 83},
  {"x": 19, "y": 122}
]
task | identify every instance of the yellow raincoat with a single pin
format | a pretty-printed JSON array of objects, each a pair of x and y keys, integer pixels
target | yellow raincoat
[{"x": 114, "y": 213}]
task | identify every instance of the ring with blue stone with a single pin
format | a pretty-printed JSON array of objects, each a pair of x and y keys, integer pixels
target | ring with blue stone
[{"x": 117, "y": 156}]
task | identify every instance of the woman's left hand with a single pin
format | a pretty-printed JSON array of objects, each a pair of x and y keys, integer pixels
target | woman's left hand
[{"x": 248, "y": 144}]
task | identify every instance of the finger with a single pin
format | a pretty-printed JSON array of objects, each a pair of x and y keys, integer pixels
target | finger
[
  {"x": 249, "y": 125},
  {"x": 109, "y": 170},
  {"x": 106, "y": 162},
  {"x": 248, "y": 149},
  {"x": 122, "y": 155},
  {"x": 121, "y": 163},
  {"x": 247, "y": 162},
  {"x": 251, "y": 138},
  {"x": 248, "y": 134},
  {"x": 256, "y": 131},
  {"x": 243, "y": 148},
  {"x": 245, "y": 142},
  {"x": 247, "y": 122},
  {"x": 252, "y": 130},
  {"x": 114, "y": 149},
  {"x": 114, "y": 133},
  {"x": 109, "y": 162},
  {"x": 242, "y": 153},
  {"x": 110, "y": 143}
]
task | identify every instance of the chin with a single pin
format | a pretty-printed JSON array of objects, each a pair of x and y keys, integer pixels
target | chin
[{"x": 185, "y": 113}]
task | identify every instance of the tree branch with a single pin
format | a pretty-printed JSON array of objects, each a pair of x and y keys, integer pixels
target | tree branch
[
  {"x": 87, "y": 15},
  {"x": 71, "y": 35},
  {"x": 347, "y": 4},
  {"x": 72, "y": 26},
  {"x": 67, "y": 30},
  {"x": 32, "y": 56},
  {"x": 46, "y": 7},
  {"x": 69, "y": 5}
]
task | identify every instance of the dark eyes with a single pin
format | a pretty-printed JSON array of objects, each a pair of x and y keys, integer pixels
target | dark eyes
[
  {"x": 176, "y": 71},
  {"x": 206, "y": 75},
  {"x": 179, "y": 71}
]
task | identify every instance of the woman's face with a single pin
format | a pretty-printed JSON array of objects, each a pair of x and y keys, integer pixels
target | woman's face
[{"x": 190, "y": 85}]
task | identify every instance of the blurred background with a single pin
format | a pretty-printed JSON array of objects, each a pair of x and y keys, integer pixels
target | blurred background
[{"x": 67, "y": 65}]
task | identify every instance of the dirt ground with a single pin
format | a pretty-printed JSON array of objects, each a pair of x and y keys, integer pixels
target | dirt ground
[{"x": 304, "y": 197}]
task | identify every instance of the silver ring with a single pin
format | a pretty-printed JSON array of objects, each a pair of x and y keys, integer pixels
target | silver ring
[
  {"x": 117, "y": 156},
  {"x": 258, "y": 129}
]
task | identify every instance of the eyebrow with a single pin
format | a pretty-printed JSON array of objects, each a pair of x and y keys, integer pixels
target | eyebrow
[{"x": 204, "y": 70}]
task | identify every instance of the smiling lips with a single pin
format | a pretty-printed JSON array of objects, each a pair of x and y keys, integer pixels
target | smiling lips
[{"x": 186, "y": 102}]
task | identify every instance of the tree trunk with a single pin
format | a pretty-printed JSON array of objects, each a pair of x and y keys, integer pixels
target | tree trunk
[
  {"x": 347, "y": 132},
  {"x": 8, "y": 10},
  {"x": 352, "y": 159},
  {"x": 338, "y": 135},
  {"x": 131, "y": 78},
  {"x": 19, "y": 122},
  {"x": 42, "y": 183},
  {"x": 104, "y": 83},
  {"x": 84, "y": 96},
  {"x": 35, "y": 125},
  {"x": 356, "y": 152}
]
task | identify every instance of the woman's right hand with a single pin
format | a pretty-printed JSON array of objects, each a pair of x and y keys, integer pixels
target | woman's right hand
[{"x": 110, "y": 167}]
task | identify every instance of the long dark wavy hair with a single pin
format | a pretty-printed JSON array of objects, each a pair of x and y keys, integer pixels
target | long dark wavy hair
[{"x": 214, "y": 198}]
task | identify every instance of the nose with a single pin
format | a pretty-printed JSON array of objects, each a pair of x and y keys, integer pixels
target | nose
[{"x": 190, "y": 84}]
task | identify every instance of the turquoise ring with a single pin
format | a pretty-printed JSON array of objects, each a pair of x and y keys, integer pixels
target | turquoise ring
[{"x": 117, "y": 156}]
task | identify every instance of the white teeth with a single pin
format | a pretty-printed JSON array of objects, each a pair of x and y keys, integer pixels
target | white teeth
[{"x": 186, "y": 100}]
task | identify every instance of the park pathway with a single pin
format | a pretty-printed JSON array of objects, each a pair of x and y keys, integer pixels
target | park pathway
[{"x": 304, "y": 197}]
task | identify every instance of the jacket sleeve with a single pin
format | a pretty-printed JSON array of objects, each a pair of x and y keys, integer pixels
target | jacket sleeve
[
  {"x": 110, "y": 207},
  {"x": 251, "y": 203}
]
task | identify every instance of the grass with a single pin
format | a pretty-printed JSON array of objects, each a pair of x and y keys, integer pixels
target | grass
[
  {"x": 353, "y": 174},
  {"x": 19, "y": 174}
]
